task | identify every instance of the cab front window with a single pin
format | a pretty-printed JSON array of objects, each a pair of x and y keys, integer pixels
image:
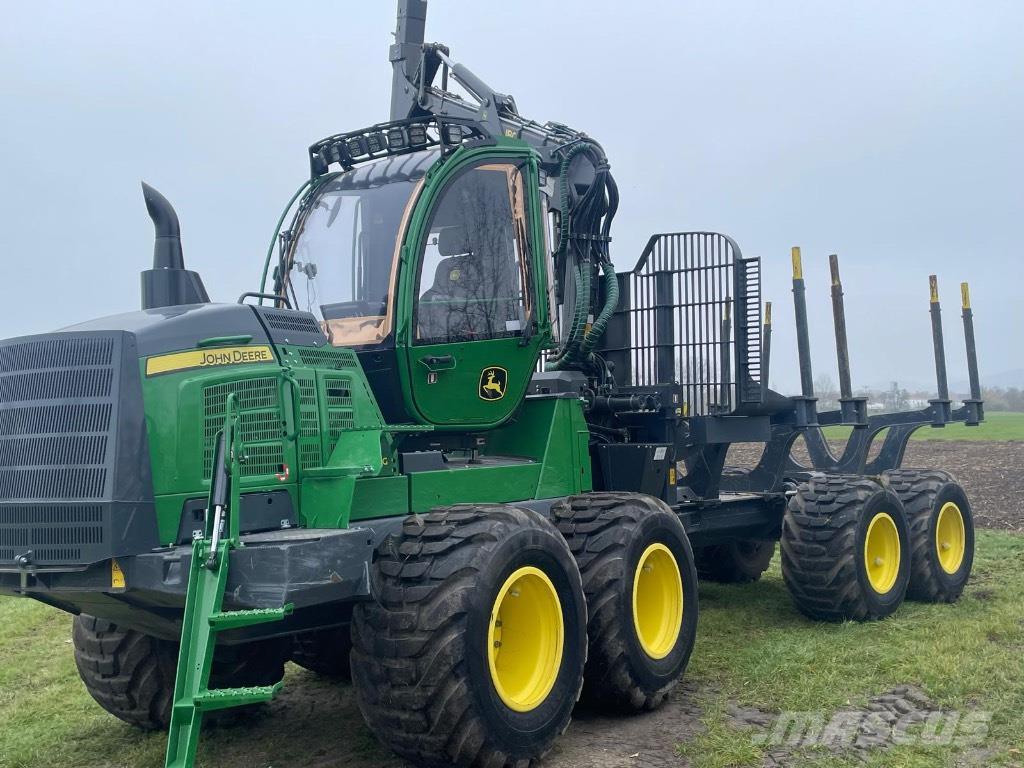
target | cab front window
[{"x": 342, "y": 263}]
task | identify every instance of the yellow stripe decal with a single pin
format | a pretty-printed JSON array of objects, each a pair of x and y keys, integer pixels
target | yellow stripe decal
[
  {"x": 965, "y": 295},
  {"x": 208, "y": 358}
]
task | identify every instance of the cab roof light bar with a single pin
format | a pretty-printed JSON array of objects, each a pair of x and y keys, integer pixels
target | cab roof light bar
[{"x": 397, "y": 137}]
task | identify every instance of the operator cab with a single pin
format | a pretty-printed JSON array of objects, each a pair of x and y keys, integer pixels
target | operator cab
[{"x": 433, "y": 283}]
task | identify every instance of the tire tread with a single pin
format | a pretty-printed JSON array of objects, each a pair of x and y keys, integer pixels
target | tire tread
[{"x": 407, "y": 662}]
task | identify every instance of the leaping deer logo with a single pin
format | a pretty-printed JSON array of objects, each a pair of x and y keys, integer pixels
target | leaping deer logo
[{"x": 492, "y": 383}]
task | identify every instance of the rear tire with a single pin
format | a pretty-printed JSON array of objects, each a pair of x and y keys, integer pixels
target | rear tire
[
  {"x": 735, "y": 562},
  {"x": 131, "y": 674},
  {"x": 325, "y": 652},
  {"x": 941, "y": 533},
  {"x": 845, "y": 549},
  {"x": 458, "y": 585},
  {"x": 634, "y": 660}
]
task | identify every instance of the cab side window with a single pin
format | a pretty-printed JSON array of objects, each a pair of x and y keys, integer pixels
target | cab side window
[{"x": 474, "y": 277}]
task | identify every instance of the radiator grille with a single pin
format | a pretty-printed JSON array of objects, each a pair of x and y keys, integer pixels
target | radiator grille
[
  {"x": 261, "y": 429},
  {"x": 324, "y": 357},
  {"x": 340, "y": 414},
  {"x": 339, "y": 392},
  {"x": 53, "y": 451},
  {"x": 291, "y": 321},
  {"x": 44, "y": 556},
  {"x": 53, "y": 483},
  {"x": 57, "y": 353},
  {"x": 310, "y": 448},
  {"x": 58, "y": 426},
  {"x": 264, "y": 459},
  {"x": 56, "y": 385},
  {"x": 260, "y": 414},
  {"x": 55, "y": 419}
]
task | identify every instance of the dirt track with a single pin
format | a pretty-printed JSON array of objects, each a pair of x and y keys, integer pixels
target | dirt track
[{"x": 991, "y": 472}]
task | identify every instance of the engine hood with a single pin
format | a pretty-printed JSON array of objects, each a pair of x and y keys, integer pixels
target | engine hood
[{"x": 169, "y": 329}]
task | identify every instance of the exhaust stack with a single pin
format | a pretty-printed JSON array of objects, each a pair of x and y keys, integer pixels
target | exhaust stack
[{"x": 168, "y": 283}]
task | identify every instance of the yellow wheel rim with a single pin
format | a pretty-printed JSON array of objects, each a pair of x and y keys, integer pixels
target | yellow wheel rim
[
  {"x": 525, "y": 639},
  {"x": 882, "y": 553},
  {"x": 657, "y": 601},
  {"x": 950, "y": 537}
]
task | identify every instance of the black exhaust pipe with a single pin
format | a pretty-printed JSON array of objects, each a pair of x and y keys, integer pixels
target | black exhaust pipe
[{"x": 168, "y": 283}]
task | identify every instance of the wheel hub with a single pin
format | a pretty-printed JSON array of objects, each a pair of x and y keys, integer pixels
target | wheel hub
[
  {"x": 525, "y": 639},
  {"x": 882, "y": 553},
  {"x": 950, "y": 537},
  {"x": 657, "y": 601}
]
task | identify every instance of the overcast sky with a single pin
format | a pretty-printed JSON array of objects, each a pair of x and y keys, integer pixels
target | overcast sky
[{"x": 889, "y": 132}]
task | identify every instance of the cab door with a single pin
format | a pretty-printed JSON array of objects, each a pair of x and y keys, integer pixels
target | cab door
[{"x": 477, "y": 324}]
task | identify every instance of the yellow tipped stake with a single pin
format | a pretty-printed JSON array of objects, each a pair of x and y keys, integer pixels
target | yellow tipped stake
[
  {"x": 806, "y": 413},
  {"x": 853, "y": 409},
  {"x": 941, "y": 411},
  {"x": 975, "y": 414}
]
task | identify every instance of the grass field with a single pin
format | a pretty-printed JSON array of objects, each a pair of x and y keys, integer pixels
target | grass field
[
  {"x": 753, "y": 650},
  {"x": 999, "y": 426}
]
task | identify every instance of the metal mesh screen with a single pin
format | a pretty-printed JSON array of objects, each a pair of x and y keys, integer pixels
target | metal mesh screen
[
  {"x": 259, "y": 410},
  {"x": 690, "y": 313}
]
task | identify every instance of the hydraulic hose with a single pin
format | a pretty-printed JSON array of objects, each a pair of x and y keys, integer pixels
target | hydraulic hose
[
  {"x": 583, "y": 241},
  {"x": 611, "y": 280},
  {"x": 581, "y": 273},
  {"x": 611, "y": 293}
]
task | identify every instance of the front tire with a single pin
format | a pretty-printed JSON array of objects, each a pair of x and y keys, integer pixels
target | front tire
[
  {"x": 845, "y": 549},
  {"x": 941, "y": 533},
  {"x": 473, "y": 652},
  {"x": 131, "y": 674},
  {"x": 641, "y": 587}
]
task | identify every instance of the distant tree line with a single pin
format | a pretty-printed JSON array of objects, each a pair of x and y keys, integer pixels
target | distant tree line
[
  {"x": 1000, "y": 399},
  {"x": 897, "y": 398}
]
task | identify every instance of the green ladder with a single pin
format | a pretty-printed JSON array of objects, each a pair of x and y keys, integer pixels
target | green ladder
[{"x": 204, "y": 617}]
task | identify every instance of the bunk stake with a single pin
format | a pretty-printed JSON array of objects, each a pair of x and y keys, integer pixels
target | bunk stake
[
  {"x": 942, "y": 412},
  {"x": 766, "y": 349},
  {"x": 806, "y": 412},
  {"x": 854, "y": 410},
  {"x": 975, "y": 411}
]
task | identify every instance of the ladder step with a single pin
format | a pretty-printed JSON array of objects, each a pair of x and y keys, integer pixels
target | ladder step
[
  {"x": 247, "y": 618},
  {"x": 225, "y": 698}
]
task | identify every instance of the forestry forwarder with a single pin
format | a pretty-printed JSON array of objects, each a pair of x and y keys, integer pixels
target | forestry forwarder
[{"x": 450, "y": 443}]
